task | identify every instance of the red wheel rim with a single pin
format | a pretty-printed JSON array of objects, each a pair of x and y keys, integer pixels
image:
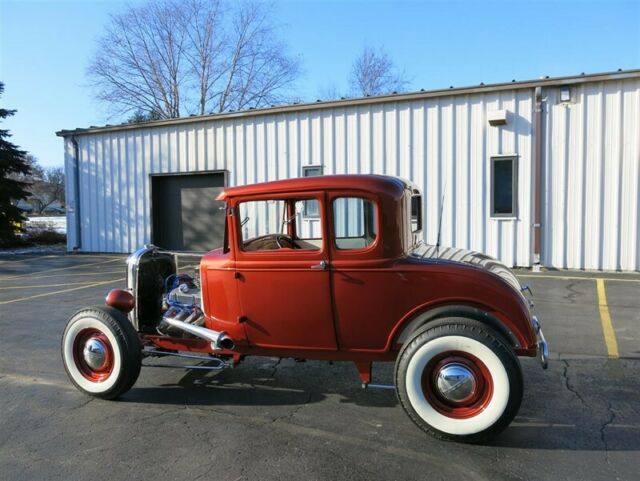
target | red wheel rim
[
  {"x": 475, "y": 402},
  {"x": 96, "y": 372}
]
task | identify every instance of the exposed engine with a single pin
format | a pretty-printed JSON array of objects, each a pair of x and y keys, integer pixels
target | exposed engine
[
  {"x": 168, "y": 299},
  {"x": 181, "y": 302}
]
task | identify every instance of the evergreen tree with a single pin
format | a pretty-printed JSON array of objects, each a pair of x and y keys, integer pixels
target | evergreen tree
[{"x": 12, "y": 163}]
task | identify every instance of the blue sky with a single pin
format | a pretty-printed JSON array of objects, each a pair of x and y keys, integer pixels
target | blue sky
[{"x": 45, "y": 47}]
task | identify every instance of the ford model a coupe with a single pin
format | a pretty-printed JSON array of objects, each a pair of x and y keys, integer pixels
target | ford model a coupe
[{"x": 325, "y": 268}]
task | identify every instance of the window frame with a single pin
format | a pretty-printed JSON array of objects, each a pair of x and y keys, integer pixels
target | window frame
[
  {"x": 332, "y": 223},
  {"x": 280, "y": 253},
  {"x": 418, "y": 216},
  {"x": 514, "y": 187}
]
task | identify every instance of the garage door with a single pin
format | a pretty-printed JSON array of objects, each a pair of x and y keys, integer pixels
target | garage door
[{"x": 184, "y": 213}]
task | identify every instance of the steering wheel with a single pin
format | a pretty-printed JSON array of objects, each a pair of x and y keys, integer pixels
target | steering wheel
[{"x": 284, "y": 239}]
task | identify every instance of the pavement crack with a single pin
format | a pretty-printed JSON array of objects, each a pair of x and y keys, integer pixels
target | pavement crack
[
  {"x": 163, "y": 412},
  {"x": 275, "y": 368},
  {"x": 83, "y": 404},
  {"x": 565, "y": 375},
  {"x": 603, "y": 426},
  {"x": 295, "y": 410},
  {"x": 572, "y": 292}
]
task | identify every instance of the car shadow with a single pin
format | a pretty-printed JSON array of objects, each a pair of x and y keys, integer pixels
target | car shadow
[
  {"x": 253, "y": 383},
  {"x": 576, "y": 405}
]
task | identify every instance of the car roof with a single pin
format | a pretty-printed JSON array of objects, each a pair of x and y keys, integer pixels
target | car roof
[{"x": 378, "y": 184}]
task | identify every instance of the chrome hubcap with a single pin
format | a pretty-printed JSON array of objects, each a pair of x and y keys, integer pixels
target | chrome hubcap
[
  {"x": 95, "y": 353},
  {"x": 456, "y": 382}
]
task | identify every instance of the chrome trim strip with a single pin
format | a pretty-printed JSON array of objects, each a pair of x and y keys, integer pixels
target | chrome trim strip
[{"x": 132, "y": 278}]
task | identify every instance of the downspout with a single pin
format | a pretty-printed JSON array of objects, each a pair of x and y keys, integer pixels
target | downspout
[
  {"x": 76, "y": 192},
  {"x": 537, "y": 223}
]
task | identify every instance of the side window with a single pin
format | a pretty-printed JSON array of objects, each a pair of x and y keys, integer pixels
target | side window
[
  {"x": 269, "y": 225},
  {"x": 504, "y": 186},
  {"x": 355, "y": 222}
]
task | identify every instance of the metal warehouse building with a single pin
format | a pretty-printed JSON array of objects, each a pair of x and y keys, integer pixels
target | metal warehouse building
[{"x": 541, "y": 171}]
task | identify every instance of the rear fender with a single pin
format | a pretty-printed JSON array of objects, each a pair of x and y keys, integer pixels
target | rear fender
[{"x": 479, "y": 313}]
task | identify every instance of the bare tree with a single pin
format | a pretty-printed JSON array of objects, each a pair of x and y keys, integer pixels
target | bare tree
[
  {"x": 373, "y": 73},
  {"x": 44, "y": 185},
  {"x": 47, "y": 189},
  {"x": 169, "y": 57}
]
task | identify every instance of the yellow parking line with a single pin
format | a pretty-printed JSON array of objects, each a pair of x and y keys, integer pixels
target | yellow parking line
[
  {"x": 59, "y": 269},
  {"x": 607, "y": 325},
  {"x": 95, "y": 284}
]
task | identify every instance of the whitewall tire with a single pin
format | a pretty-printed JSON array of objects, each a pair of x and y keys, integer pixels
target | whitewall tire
[
  {"x": 101, "y": 352},
  {"x": 458, "y": 379}
]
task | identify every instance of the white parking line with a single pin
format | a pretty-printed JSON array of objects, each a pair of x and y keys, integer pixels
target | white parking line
[
  {"x": 575, "y": 278},
  {"x": 45, "y": 294},
  {"x": 42, "y": 286},
  {"x": 74, "y": 274},
  {"x": 60, "y": 269}
]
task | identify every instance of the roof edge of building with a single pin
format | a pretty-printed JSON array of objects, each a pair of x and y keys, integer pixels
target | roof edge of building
[{"x": 391, "y": 98}]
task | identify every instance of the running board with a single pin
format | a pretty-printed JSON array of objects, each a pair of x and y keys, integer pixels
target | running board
[
  {"x": 377, "y": 386},
  {"x": 221, "y": 364},
  {"x": 220, "y": 367}
]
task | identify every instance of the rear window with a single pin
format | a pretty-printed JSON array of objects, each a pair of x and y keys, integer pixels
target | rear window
[{"x": 416, "y": 213}]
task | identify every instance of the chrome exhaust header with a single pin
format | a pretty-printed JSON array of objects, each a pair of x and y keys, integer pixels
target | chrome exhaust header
[{"x": 219, "y": 340}]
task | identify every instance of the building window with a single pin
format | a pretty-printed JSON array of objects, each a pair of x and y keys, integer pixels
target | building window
[
  {"x": 504, "y": 186},
  {"x": 311, "y": 170},
  {"x": 311, "y": 209}
]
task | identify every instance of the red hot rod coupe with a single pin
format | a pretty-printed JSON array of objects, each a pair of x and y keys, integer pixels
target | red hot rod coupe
[{"x": 325, "y": 268}]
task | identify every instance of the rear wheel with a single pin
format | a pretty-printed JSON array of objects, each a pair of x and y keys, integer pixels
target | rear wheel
[
  {"x": 101, "y": 352},
  {"x": 458, "y": 379}
]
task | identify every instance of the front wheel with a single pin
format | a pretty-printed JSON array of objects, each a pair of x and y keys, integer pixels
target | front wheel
[
  {"x": 101, "y": 352},
  {"x": 458, "y": 380}
]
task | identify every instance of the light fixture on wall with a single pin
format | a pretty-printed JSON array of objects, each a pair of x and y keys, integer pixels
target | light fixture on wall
[
  {"x": 497, "y": 117},
  {"x": 565, "y": 94}
]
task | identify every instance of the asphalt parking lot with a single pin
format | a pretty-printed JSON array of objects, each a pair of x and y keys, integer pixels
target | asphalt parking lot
[{"x": 271, "y": 419}]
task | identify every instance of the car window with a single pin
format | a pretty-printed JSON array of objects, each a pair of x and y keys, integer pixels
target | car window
[
  {"x": 267, "y": 225},
  {"x": 355, "y": 222}
]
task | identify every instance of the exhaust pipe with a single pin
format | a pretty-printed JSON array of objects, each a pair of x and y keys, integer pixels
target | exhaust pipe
[{"x": 219, "y": 340}]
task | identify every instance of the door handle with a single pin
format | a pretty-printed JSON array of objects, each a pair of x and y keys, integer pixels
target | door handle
[{"x": 322, "y": 265}]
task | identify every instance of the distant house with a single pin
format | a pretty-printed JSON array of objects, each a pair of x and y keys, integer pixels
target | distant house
[
  {"x": 24, "y": 206},
  {"x": 56, "y": 208}
]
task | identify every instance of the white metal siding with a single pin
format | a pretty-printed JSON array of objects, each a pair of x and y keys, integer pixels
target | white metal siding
[
  {"x": 591, "y": 191},
  {"x": 444, "y": 144}
]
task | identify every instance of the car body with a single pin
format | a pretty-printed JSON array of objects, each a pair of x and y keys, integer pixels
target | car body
[{"x": 334, "y": 268}]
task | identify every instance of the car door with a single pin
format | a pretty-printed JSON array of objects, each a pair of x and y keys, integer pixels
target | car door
[
  {"x": 363, "y": 281},
  {"x": 282, "y": 272}
]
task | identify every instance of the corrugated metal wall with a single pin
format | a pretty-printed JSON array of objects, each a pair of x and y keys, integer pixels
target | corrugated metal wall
[
  {"x": 443, "y": 144},
  {"x": 592, "y": 178}
]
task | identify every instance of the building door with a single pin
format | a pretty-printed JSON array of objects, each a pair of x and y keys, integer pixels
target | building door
[{"x": 185, "y": 214}]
